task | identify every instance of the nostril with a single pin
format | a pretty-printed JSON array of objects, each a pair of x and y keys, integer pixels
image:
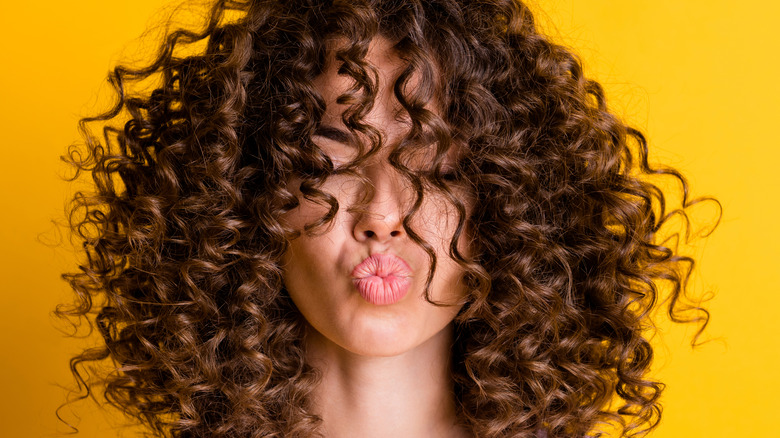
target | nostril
[{"x": 371, "y": 234}]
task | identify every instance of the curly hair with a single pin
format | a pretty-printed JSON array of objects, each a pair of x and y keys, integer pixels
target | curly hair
[{"x": 182, "y": 234}]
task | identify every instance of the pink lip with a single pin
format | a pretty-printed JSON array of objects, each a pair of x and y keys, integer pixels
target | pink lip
[{"x": 382, "y": 279}]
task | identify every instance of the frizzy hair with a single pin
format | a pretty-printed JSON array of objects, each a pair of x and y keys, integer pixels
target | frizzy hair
[{"x": 182, "y": 234}]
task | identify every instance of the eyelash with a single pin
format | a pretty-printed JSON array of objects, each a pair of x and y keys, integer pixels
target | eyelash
[{"x": 449, "y": 175}]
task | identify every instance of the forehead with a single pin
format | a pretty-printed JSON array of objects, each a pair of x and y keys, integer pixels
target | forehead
[
  {"x": 383, "y": 60},
  {"x": 385, "y": 66}
]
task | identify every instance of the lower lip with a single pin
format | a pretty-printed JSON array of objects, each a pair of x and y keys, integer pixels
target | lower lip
[{"x": 382, "y": 290}]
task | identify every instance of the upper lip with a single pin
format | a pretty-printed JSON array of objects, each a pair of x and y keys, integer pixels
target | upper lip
[{"x": 382, "y": 265}]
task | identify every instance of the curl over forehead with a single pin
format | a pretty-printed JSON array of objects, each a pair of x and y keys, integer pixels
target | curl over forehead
[{"x": 458, "y": 49}]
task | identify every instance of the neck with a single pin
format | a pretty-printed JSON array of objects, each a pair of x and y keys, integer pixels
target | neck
[{"x": 409, "y": 395}]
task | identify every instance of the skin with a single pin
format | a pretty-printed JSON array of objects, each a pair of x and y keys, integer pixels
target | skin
[{"x": 385, "y": 369}]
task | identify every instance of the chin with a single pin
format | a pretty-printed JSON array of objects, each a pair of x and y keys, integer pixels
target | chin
[
  {"x": 380, "y": 338},
  {"x": 380, "y": 347}
]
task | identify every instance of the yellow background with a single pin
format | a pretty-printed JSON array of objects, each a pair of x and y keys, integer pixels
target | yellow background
[{"x": 699, "y": 77}]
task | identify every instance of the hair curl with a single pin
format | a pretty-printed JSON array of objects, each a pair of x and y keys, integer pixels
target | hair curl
[{"x": 183, "y": 239}]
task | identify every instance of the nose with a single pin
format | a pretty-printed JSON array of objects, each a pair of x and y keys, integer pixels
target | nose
[{"x": 381, "y": 219}]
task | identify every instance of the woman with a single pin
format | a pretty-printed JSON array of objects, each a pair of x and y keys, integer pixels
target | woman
[{"x": 378, "y": 218}]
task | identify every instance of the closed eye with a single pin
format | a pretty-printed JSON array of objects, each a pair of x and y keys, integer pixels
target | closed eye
[
  {"x": 332, "y": 133},
  {"x": 340, "y": 136},
  {"x": 339, "y": 149}
]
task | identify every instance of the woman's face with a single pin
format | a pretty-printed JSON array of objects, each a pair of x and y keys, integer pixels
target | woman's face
[{"x": 360, "y": 280}]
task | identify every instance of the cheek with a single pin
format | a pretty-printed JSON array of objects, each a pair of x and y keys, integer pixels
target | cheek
[
  {"x": 437, "y": 225},
  {"x": 308, "y": 212},
  {"x": 310, "y": 267},
  {"x": 438, "y": 220},
  {"x": 313, "y": 258}
]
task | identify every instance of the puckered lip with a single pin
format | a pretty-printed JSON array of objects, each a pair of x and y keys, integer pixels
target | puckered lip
[{"x": 382, "y": 265}]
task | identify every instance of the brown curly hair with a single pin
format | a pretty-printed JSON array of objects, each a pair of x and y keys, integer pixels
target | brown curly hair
[{"x": 182, "y": 234}]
